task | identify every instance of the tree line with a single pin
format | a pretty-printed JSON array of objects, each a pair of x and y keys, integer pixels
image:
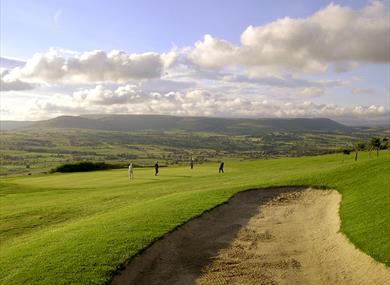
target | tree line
[{"x": 374, "y": 144}]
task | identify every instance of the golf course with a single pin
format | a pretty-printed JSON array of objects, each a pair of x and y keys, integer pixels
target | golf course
[{"x": 82, "y": 228}]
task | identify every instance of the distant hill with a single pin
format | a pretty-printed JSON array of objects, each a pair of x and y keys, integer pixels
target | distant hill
[{"x": 190, "y": 124}]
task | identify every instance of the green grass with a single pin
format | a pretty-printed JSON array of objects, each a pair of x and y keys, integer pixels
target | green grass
[{"x": 79, "y": 228}]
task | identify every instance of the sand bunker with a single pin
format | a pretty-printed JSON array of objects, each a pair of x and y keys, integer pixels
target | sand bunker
[{"x": 269, "y": 236}]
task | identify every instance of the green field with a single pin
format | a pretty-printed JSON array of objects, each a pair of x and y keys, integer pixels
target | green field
[
  {"x": 39, "y": 150},
  {"x": 80, "y": 228}
]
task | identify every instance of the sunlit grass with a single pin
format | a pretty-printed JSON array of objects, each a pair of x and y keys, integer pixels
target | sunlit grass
[{"x": 80, "y": 227}]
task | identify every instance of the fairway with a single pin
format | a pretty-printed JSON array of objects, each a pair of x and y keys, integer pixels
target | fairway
[{"x": 81, "y": 228}]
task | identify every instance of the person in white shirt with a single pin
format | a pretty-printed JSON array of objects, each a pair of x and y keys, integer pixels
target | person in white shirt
[{"x": 131, "y": 174}]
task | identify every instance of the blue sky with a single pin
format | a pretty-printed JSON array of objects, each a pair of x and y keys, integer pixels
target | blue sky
[
  {"x": 194, "y": 74},
  {"x": 136, "y": 26}
]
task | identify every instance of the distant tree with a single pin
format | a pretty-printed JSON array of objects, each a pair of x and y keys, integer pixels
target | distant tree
[
  {"x": 346, "y": 151},
  {"x": 376, "y": 144},
  {"x": 358, "y": 147},
  {"x": 361, "y": 145},
  {"x": 385, "y": 143}
]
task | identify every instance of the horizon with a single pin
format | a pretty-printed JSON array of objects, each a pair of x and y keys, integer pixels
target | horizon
[
  {"x": 385, "y": 125},
  {"x": 307, "y": 59}
]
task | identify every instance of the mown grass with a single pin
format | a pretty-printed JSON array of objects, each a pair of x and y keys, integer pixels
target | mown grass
[{"x": 80, "y": 228}]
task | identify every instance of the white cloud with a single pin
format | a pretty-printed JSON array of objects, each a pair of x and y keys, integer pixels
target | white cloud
[
  {"x": 286, "y": 81},
  {"x": 90, "y": 67},
  {"x": 362, "y": 90},
  {"x": 103, "y": 96},
  {"x": 335, "y": 35},
  {"x": 370, "y": 110},
  {"x": 165, "y": 85},
  {"x": 196, "y": 102},
  {"x": 311, "y": 92},
  {"x": 8, "y": 83},
  {"x": 215, "y": 77},
  {"x": 215, "y": 53}
]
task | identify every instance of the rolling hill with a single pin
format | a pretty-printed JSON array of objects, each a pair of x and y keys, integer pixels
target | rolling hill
[{"x": 189, "y": 124}]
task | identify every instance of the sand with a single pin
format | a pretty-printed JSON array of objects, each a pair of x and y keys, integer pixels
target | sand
[{"x": 266, "y": 236}]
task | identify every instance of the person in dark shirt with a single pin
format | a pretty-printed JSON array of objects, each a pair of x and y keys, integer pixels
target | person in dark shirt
[
  {"x": 192, "y": 163},
  {"x": 221, "y": 166},
  {"x": 156, "y": 168}
]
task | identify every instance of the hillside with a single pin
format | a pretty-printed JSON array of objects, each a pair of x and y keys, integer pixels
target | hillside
[
  {"x": 189, "y": 124},
  {"x": 80, "y": 228}
]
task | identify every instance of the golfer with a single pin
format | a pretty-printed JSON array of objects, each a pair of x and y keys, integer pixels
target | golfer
[
  {"x": 221, "y": 166},
  {"x": 192, "y": 163},
  {"x": 156, "y": 168},
  {"x": 131, "y": 174}
]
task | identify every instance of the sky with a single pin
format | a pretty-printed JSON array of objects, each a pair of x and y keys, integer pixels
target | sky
[{"x": 299, "y": 58}]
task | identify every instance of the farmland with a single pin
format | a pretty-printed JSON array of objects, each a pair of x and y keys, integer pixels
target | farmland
[{"x": 39, "y": 150}]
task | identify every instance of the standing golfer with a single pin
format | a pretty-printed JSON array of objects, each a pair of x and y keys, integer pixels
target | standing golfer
[
  {"x": 192, "y": 163},
  {"x": 221, "y": 166},
  {"x": 131, "y": 174},
  {"x": 156, "y": 168}
]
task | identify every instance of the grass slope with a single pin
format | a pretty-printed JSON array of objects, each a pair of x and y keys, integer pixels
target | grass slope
[{"x": 79, "y": 228}]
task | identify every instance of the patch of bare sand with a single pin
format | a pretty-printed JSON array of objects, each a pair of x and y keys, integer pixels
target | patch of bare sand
[{"x": 269, "y": 236}]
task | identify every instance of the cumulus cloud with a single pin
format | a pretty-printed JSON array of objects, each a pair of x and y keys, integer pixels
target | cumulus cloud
[
  {"x": 370, "y": 110},
  {"x": 196, "y": 102},
  {"x": 215, "y": 53},
  {"x": 103, "y": 96},
  {"x": 218, "y": 78},
  {"x": 8, "y": 83},
  {"x": 166, "y": 85},
  {"x": 334, "y": 111},
  {"x": 335, "y": 35},
  {"x": 91, "y": 67},
  {"x": 312, "y": 91}
]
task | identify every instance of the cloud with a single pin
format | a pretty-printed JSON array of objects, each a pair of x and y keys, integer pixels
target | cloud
[
  {"x": 370, "y": 110},
  {"x": 286, "y": 81},
  {"x": 103, "y": 96},
  {"x": 335, "y": 35},
  {"x": 91, "y": 67},
  {"x": 215, "y": 53},
  {"x": 196, "y": 102},
  {"x": 312, "y": 92},
  {"x": 361, "y": 90},
  {"x": 164, "y": 85},
  {"x": 215, "y": 77},
  {"x": 10, "y": 84},
  {"x": 334, "y": 111}
]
